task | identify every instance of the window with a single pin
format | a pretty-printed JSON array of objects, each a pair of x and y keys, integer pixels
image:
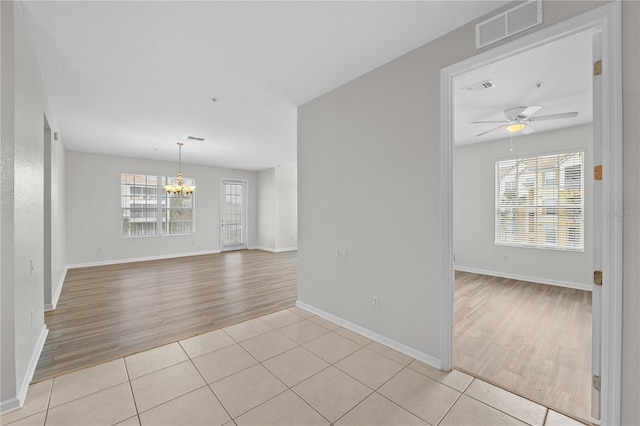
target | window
[
  {"x": 147, "y": 210},
  {"x": 540, "y": 202},
  {"x": 550, "y": 178}
]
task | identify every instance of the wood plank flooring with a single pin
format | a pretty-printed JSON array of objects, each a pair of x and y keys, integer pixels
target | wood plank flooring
[
  {"x": 531, "y": 339},
  {"x": 107, "y": 312}
]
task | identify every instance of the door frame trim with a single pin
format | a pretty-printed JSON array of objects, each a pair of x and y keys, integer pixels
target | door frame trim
[
  {"x": 607, "y": 20},
  {"x": 245, "y": 212}
]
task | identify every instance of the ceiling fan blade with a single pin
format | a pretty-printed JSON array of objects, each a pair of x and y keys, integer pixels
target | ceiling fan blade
[
  {"x": 482, "y": 122},
  {"x": 530, "y": 111},
  {"x": 553, "y": 116},
  {"x": 512, "y": 113},
  {"x": 490, "y": 130},
  {"x": 527, "y": 130}
]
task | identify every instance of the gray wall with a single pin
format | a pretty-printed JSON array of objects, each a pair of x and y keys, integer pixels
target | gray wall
[
  {"x": 267, "y": 209},
  {"x": 375, "y": 142},
  {"x": 631, "y": 250},
  {"x": 277, "y": 209},
  {"x": 24, "y": 105},
  {"x": 8, "y": 389},
  {"x": 286, "y": 197},
  {"x": 474, "y": 209},
  {"x": 94, "y": 212}
]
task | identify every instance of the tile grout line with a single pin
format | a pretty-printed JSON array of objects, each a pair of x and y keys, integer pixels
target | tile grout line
[
  {"x": 133, "y": 395},
  {"x": 233, "y": 419},
  {"x": 89, "y": 394},
  {"x": 502, "y": 411},
  {"x": 298, "y": 345},
  {"x": 438, "y": 381},
  {"x": 449, "y": 409},
  {"x": 287, "y": 386},
  {"x": 391, "y": 378},
  {"x": 546, "y": 414},
  {"x": 46, "y": 415},
  {"x": 207, "y": 384}
]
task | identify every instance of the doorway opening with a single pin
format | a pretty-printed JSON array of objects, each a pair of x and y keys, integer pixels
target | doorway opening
[
  {"x": 604, "y": 24},
  {"x": 522, "y": 234}
]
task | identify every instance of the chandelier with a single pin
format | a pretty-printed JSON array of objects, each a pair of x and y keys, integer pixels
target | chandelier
[{"x": 179, "y": 189}]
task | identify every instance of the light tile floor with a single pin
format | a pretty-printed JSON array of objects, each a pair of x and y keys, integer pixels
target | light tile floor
[{"x": 286, "y": 368}]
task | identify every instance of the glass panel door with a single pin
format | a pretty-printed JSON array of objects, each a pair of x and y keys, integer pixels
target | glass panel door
[{"x": 233, "y": 223}]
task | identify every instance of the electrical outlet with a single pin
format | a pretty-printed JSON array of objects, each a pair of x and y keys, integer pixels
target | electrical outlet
[
  {"x": 341, "y": 253},
  {"x": 375, "y": 302},
  {"x": 506, "y": 258}
]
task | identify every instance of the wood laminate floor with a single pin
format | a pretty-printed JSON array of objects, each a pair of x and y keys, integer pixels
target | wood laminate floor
[
  {"x": 531, "y": 339},
  {"x": 107, "y": 312}
]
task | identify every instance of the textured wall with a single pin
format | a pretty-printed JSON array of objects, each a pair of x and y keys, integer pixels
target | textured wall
[{"x": 24, "y": 105}]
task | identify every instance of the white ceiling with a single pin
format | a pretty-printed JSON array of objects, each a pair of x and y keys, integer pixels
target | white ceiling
[
  {"x": 133, "y": 78},
  {"x": 565, "y": 69}
]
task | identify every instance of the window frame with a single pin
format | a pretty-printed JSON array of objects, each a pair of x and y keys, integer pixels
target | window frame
[
  {"x": 159, "y": 199},
  {"x": 523, "y": 219}
]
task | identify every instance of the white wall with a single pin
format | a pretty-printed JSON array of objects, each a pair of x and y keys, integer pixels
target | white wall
[
  {"x": 23, "y": 328},
  {"x": 474, "y": 212},
  {"x": 278, "y": 209},
  {"x": 267, "y": 209},
  {"x": 286, "y": 197},
  {"x": 94, "y": 209},
  {"x": 369, "y": 180}
]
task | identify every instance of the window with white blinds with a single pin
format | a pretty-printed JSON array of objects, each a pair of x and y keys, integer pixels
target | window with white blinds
[
  {"x": 540, "y": 201},
  {"x": 147, "y": 209}
]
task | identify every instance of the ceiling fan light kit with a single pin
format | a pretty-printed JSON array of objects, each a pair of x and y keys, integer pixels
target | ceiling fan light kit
[{"x": 517, "y": 127}]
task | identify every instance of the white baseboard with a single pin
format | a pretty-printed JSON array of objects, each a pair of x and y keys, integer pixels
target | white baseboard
[
  {"x": 274, "y": 250},
  {"x": 9, "y": 405},
  {"x": 18, "y": 401},
  {"x": 538, "y": 280},
  {"x": 282, "y": 250},
  {"x": 54, "y": 302},
  {"x": 269, "y": 249},
  {"x": 400, "y": 347},
  {"x": 140, "y": 259}
]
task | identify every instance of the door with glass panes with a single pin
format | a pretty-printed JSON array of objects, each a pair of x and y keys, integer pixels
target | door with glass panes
[{"x": 233, "y": 215}]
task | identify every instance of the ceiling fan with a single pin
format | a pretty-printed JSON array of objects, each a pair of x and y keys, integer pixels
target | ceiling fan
[{"x": 519, "y": 119}]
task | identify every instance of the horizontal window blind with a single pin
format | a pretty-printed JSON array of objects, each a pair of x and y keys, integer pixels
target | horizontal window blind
[{"x": 540, "y": 201}]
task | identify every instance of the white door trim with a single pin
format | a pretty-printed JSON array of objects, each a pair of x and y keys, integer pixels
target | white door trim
[{"x": 607, "y": 20}]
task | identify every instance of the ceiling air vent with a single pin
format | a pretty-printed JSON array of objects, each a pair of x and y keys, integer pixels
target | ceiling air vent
[
  {"x": 508, "y": 23},
  {"x": 478, "y": 87},
  {"x": 195, "y": 139}
]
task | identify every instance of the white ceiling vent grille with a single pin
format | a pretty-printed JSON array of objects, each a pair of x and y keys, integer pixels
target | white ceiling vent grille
[
  {"x": 508, "y": 23},
  {"x": 478, "y": 87}
]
